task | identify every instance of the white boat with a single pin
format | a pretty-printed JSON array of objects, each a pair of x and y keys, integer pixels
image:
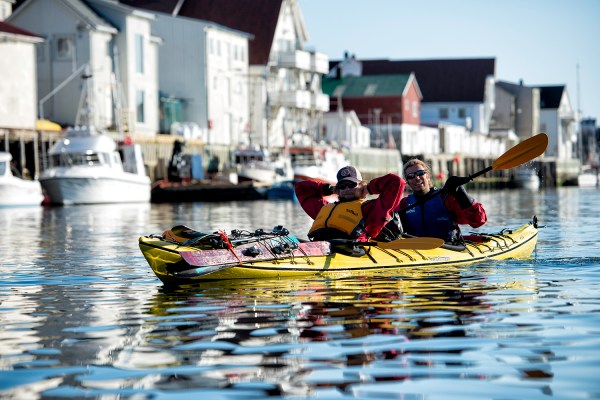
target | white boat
[
  {"x": 86, "y": 168},
  {"x": 317, "y": 163},
  {"x": 14, "y": 191},
  {"x": 527, "y": 179},
  {"x": 588, "y": 177},
  {"x": 258, "y": 165}
]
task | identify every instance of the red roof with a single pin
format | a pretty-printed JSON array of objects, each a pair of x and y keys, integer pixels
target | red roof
[
  {"x": 258, "y": 17},
  {"x": 10, "y": 28}
]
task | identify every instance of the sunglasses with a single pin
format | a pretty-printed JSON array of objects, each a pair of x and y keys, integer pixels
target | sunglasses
[
  {"x": 346, "y": 185},
  {"x": 413, "y": 175}
]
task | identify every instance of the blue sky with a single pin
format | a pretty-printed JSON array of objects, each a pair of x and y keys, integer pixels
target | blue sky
[{"x": 539, "y": 41}]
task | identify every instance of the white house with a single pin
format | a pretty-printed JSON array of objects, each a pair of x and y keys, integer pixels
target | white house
[
  {"x": 344, "y": 128},
  {"x": 284, "y": 78},
  {"x": 206, "y": 76},
  {"x": 115, "y": 41},
  {"x": 557, "y": 120},
  {"x": 18, "y": 86}
]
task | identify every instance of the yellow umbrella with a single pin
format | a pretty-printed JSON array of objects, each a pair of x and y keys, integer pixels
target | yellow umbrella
[{"x": 47, "y": 125}]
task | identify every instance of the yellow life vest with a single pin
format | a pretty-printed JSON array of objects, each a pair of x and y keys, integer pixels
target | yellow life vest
[{"x": 342, "y": 220}]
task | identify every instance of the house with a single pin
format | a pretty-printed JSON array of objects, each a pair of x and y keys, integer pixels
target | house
[
  {"x": 203, "y": 78},
  {"x": 517, "y": 110},
  {"x": 284, "y": 78},
  {"x": 343, "y": 129},
  {"x": 381, "y": 102},
  {"x": 110, "y": 39},
  {"x": 455, "y": 91},
  {"x": 557, "y": 120},
  {"x": 18, "y": 86}
]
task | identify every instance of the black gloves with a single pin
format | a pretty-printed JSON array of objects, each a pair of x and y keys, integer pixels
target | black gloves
[
  {"x": 454, "y": 182},
  {"x": 327, "y": 189},
  {"x": 453, "y": 186}
]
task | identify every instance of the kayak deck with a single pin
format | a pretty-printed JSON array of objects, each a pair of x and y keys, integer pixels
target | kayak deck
[{"x": 281, "y": 257}]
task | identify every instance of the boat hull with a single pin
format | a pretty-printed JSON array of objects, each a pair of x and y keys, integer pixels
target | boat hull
[
  {"x": 170, "y": 261},
  {"x": 15, "y": 192},
  {"x": 69, "y": 189}
]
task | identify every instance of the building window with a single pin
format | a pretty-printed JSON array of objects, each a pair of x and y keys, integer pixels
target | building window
[
  {"x": 406, "y": 104},
  {"x": 139, "y": 106},
  {"x": 415, "y": 109},
  {"x": 139, "y": 54},
  {"x": 64, "y": 47},
  {"x": 443, "y": 113},
  {"x": 462, "y": 113}
]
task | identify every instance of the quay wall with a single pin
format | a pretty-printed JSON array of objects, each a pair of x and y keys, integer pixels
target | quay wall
[{"x": 29, "y": 149}]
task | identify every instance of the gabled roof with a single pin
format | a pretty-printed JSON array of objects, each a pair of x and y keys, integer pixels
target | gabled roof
[
  {"x": 258, "y": 17},
  {"x": 550, "y": 96},
  {"x": 5, "y": 27},
  {"x": 449, "y": 80},
  {"x": 365, "y": 86},
  {"x": 78, "y": 7}
]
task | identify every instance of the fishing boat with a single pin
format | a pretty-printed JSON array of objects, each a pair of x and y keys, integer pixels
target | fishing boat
[
  {"x": 182, "y": 255},
  {"x": 260, "y": 165},
  {"x": 87, "y": 167},
  {"x": 14, "y": 191},
  {"x": 317, "y": 163},
  {"x": 588, "y": 177}
]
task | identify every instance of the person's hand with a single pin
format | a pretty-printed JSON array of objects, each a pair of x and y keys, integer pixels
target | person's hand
[
  {"x": 454, "y": 182},
  {"x": 328, "y": 189}
]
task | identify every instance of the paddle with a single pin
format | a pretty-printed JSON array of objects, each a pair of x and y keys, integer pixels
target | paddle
[
  {"x": 521, "y": 153},
  {"x": 420, "y": 243}
]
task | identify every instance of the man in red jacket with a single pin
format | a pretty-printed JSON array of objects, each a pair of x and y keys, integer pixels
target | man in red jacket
[
  {"x": 352, "y": 217},
  {"x": 437, "y": 212}
]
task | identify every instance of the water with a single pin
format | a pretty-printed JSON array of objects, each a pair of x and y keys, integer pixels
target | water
[{"x": 83, "y": 316}]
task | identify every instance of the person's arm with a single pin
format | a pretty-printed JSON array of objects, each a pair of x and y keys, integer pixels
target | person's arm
[
  {"x": 465, "y": 210},
  {"x": 390, "y": 189},
  {"x": 311, "y": 196}
]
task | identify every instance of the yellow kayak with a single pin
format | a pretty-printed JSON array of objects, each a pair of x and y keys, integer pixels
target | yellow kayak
[{"x": 182, "y": 255}]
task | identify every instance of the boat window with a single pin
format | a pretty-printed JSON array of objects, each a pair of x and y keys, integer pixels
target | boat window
[
  {"x": 2, "y": 168},
  {"x": 68, "y": 160}
]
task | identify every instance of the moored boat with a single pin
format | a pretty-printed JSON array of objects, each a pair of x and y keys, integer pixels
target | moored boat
[
  {"x": 527, "y": 179},
  {"x": 181, "y": 255},
  {"x": 589, "y": 177},
  {"x": 14, "y": 191}
]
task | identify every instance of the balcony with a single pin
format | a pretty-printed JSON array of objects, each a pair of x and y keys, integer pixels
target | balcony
[
  {"x": 292, "y": 99},
  {"x": 298, "y": 59},
  {"x": 319, "y": 62},
  {"x": 319, "y": 101}
]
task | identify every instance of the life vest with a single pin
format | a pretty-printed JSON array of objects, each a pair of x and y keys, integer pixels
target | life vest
[
  {"x": 341, "y": 220},
  {"x": 430, "y": 218}
]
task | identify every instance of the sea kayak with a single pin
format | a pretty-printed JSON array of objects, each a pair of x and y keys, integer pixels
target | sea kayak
[{"x": 182, "y": 255}]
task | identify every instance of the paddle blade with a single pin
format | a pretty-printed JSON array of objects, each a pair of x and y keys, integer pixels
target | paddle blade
[
  {"x": 523, "y": 152},
  {"x": 420, "y": 243}
]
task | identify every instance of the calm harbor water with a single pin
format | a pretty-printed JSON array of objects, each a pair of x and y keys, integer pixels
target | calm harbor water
[{"x": 83, "y": 316}]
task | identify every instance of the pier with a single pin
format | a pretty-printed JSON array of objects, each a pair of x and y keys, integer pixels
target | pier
[{"x": 29, "y": 149}]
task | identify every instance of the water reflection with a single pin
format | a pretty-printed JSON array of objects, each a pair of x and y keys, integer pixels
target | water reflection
[{"x": 82, "y": 315}]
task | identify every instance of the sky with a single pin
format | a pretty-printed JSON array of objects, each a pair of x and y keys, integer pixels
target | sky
[{"x": 541, "y": 42}]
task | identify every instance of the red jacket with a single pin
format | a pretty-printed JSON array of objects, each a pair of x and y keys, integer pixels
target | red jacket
[{"x": 376, "y": 212}]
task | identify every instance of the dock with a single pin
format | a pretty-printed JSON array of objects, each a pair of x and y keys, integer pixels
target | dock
[{"x": 207, "y": 191}]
